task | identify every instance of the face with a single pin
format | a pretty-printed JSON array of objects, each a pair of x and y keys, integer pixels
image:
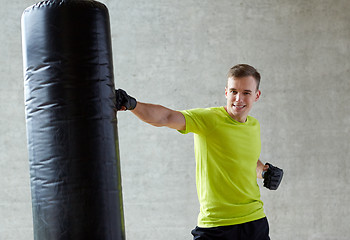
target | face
[{"x": 241, "y": 93}]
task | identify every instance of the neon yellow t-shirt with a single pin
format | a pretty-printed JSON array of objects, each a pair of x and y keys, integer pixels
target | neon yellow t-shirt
[{"x": 226, "y": 154}]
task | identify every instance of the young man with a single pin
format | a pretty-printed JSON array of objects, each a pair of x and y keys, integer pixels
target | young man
[{"x": 227, "y": 150}]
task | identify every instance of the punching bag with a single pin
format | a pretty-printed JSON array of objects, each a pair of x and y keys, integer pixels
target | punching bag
[{"x": 71, "y": 121}]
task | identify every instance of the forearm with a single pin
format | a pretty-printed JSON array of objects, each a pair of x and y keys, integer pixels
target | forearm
[{"x": 259, "y": 169}]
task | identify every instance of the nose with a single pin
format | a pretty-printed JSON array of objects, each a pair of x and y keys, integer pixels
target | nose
[{"x": 238, "y": 97}]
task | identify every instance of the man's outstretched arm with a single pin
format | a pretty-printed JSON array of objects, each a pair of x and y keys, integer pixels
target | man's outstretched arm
[
  {"x": 159, "y": 116},
  {"x": 153, "y": 114}
]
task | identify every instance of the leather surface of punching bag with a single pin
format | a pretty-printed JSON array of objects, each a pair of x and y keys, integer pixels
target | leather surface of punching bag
[{"x": 71, "y": 121}]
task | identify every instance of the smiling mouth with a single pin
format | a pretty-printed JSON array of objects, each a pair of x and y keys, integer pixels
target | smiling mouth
[{"x": 239, "y": 106}]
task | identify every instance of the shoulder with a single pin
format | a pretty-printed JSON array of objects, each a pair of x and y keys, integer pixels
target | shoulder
[
  {"x": 201, "y": 120},
  {"x": 252, "y": 121}
]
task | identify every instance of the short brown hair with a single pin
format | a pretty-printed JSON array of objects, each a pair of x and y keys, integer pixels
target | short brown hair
[{"x": 244, "y": 70}]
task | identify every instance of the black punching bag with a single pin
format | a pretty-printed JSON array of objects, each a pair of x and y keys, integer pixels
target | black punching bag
[{"x": 71, "y": 121}]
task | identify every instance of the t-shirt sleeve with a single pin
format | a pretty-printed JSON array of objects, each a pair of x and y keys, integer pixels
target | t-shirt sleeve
[{"x": 197, "y": 121}]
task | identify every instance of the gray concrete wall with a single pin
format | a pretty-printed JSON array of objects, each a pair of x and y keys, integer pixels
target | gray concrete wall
[{"x": 177, "y": 53}]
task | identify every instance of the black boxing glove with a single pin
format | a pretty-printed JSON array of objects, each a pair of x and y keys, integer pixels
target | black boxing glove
[
  {"x": 124, "y": 100},
  {"x": 272, "y": 177}
]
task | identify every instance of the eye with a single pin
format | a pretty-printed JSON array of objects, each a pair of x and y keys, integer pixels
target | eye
[{"x": 247, "y": 93}]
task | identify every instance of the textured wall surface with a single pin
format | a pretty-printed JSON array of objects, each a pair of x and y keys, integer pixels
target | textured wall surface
[{"x": 177, "y": 54}]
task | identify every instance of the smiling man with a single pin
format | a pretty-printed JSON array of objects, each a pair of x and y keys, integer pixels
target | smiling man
[
  {"x": 241, "y": 92},
  {"x": 227, "y": 149}
]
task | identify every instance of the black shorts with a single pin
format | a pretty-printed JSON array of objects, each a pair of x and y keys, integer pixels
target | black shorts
[{"x": 255, "y": 230}]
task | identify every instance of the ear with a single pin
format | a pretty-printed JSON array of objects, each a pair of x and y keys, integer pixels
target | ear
[
  {"x": 226, "y": 92},
  {"x": 258, "y": 93}
]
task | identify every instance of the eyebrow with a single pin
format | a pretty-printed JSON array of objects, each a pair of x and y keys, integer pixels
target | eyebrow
[{"x": 247, "y": 90}]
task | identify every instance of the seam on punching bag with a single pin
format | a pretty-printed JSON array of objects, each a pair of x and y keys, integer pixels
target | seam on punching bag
[{"x": 53, "y": 3}]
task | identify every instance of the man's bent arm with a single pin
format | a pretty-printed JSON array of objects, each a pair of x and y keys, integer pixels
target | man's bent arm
[{"x": 159, "y": 116}]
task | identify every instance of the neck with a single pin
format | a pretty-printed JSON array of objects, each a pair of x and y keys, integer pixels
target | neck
[{"x": 242, "y": 119}]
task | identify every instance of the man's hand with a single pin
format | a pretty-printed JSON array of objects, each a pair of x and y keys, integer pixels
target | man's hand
[
  {"x": 272, "y": 176},
  {"x": 124, "y": 101}
]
